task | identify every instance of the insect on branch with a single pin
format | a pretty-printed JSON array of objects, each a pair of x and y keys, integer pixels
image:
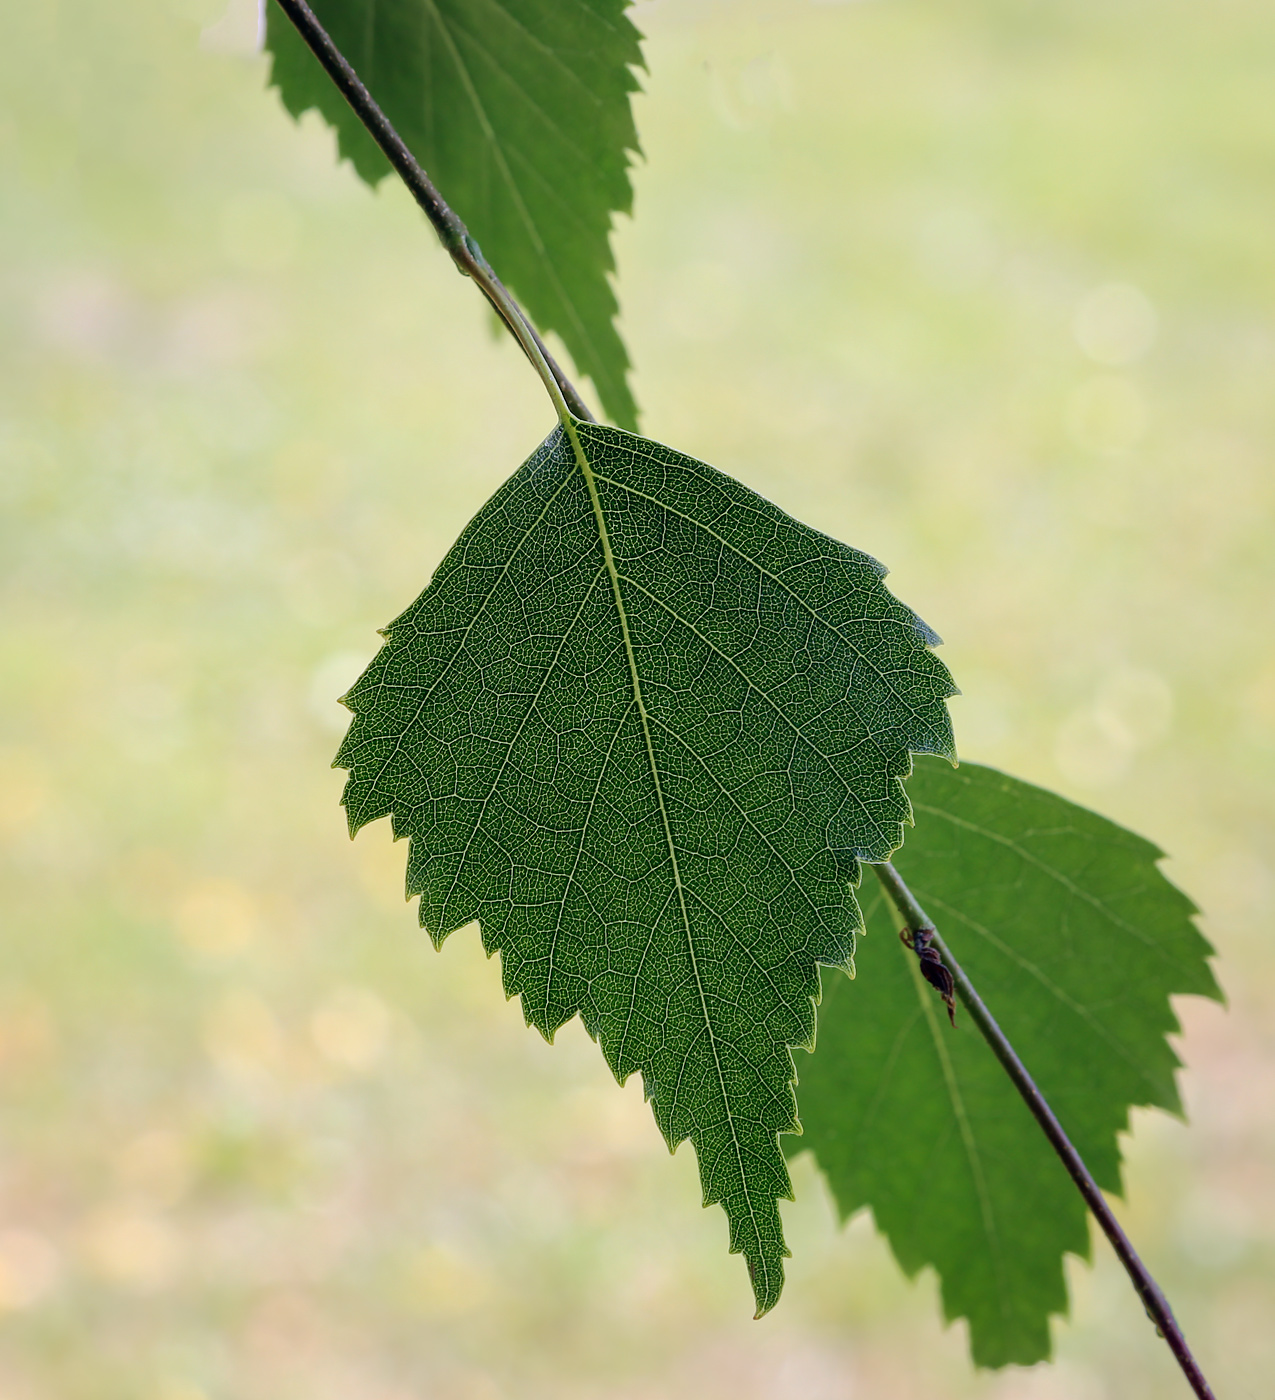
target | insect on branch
[{"x": 932, "y": 967}]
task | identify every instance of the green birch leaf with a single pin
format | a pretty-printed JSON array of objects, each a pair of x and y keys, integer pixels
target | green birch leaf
[
  {"x": 519, "y": 111},
  {"x": 643, "y": 727},
  {"x": 1075, "y": 941}
]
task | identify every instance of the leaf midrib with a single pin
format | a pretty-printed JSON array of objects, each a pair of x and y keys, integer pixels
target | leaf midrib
[
  {"x": 599, "y": 516},
  {"x": 966, "y": 1130}
]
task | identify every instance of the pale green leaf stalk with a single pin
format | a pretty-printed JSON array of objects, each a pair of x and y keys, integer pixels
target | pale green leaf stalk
[
  {"x": 643, "y": 727},
  {"x": 1065, "y": 924},
  {"x": 520, "y": 111}
]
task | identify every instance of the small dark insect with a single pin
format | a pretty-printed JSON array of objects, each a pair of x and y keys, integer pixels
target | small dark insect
[{"x": 932, "y": 968}]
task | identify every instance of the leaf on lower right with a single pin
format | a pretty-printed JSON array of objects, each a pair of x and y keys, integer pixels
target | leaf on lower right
[{"x": 1075, "y": 941}]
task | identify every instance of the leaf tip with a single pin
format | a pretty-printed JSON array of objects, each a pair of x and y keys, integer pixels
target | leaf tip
[{"x": 766, "y": 1290}]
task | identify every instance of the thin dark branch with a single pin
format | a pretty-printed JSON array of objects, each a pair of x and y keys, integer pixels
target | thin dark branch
[
  {"x": 451, "y": 230},
  {"x": 1148, "y": 1290},
  {"x": 468, "y": 257}
]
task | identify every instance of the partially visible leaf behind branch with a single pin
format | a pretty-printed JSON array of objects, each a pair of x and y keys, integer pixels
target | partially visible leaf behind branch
[
  {"x": 1071, "y": 933},
  {"x": 519, "y": 110},
  {"x": 643, "y": 726}
]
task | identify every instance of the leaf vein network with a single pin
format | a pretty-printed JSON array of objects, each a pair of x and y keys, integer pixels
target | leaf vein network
[
  {"x": 955, "y": 916},
  {"x": 775, "y": 578},
  {"x": 517, "y": 734},
  {"x": 1076, "y": 890},
  {"x": 778, "y": 709},
  {"x": 575, "y": 864}
]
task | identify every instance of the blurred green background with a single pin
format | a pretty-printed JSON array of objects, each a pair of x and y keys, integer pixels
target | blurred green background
[{"x": 986, "y": 288}]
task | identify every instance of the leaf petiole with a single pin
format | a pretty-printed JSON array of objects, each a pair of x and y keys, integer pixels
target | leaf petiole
[{"x": 449, "y": 226}]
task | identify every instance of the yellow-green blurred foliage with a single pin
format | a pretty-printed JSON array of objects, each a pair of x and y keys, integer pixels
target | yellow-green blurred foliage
[{"x": 986, "y": 288}]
